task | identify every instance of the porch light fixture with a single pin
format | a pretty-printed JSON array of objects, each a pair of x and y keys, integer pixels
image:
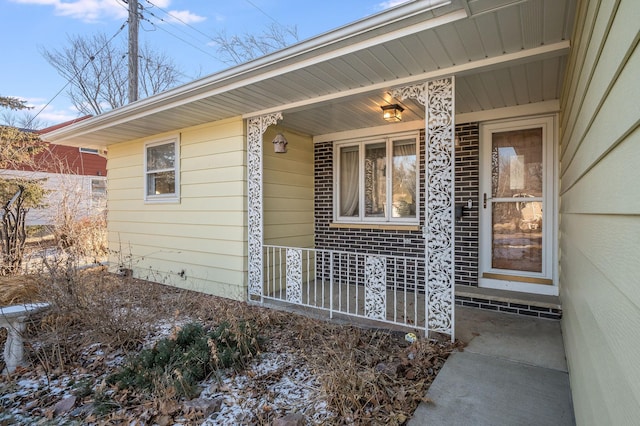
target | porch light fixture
[
  {"x": 280, "y": 144},
  {"x": 392, "y": 113}
]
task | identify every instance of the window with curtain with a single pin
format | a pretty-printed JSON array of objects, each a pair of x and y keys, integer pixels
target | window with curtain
[
  {"x": 376, "y": 180},
  {"x": 161, "y": 170}
]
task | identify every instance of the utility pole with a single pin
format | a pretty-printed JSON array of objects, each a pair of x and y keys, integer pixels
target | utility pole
[{"x": 133, "y": 50}]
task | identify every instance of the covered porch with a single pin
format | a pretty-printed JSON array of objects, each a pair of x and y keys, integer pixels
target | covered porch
[
  {"x": 413, "y": 289},
  {"x": 461, "y": 70},
  {"x": 454, "y": 75}
]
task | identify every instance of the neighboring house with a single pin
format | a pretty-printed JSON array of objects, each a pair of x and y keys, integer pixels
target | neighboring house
[
  {"x": 544, "y": 97},
  {"x": 74, "y": 176}
]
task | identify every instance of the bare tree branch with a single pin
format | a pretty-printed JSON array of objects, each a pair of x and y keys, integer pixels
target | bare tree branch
[
  {"x": 237, "y": 49},
  {"x": 98, "y": 72},
  {"x": 157, "y": 72},
  {"x": 25, "y": 120}
]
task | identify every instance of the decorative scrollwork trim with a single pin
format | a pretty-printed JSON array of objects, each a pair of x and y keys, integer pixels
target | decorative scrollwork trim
[
  {"x": 439, "y": 100},
  {"x": 375, "y": 290},
  {"x": 439, "y": 205},
  {"x": 417, "y": 92},
  {"x": 294, "y": 275},
  {"x": 256, "y": 126}
]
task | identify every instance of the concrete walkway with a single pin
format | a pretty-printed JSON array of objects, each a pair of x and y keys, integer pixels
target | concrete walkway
[{"x": 512, "y": 372}]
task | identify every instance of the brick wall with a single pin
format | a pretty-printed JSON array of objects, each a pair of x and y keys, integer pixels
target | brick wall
[
  {"x": 411, "y": 243},
  {"x": 400, "y": 242},
  {"x": 467, "y": 186},
  {"x": 371, "y": 241}
]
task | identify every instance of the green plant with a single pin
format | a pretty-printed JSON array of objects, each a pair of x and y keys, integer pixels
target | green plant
[
  {"x": 104, "y": 404},
  {"x": 182, "y": 362},
  {"x": 83, "y": 388}
]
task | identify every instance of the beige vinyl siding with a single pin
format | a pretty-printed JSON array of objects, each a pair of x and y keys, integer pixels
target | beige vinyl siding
[
  {"x": 600, "y": 213},
  {"x": 288, "y": 200},
  {"x": 200, "y": 242},
  {"x": 288, "y": 191}
]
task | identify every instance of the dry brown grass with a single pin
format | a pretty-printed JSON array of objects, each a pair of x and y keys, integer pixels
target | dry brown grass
[
  {"x": 368, "y": 376},
  {"x": 16, "y": 290},
  {"x": 92, "y": 306}
]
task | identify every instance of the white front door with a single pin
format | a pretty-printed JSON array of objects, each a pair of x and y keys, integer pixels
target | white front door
[{"x": 516, "y": 206}]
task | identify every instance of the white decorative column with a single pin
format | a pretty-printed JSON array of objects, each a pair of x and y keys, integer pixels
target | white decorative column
[
  {"x": 438, "y": 98},
  {"x": 256, "y": 127}
]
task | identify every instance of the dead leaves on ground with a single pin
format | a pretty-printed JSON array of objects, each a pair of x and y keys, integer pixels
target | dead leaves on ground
[{"x": 366, "y": 376}]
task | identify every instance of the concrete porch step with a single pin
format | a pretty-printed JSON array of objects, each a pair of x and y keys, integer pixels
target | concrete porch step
[{"x": 513, "y": 302}]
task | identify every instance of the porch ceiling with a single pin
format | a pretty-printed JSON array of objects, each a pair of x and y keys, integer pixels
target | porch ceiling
[{"x": 503, "y": 52}]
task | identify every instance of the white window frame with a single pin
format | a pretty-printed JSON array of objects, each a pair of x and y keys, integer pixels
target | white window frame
[
  {"x": 163, "y": 198},
  {"x": 361, "y": 143},
  {"x": 98, "y": 199}
]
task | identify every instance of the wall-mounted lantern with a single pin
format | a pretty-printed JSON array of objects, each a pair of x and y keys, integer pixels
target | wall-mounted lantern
[
  {"x": 392, "y": 112},
  {"x": 280, "y": 144}
]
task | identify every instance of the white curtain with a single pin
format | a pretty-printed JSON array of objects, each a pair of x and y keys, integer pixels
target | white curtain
[
  {"x": 349, "y": 194},
  {"x": 404, "y": 177}
]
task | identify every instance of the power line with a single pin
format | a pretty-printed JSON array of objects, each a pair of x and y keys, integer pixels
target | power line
[
  {"x": 142, "y": 9},
  {"x": 177, "y": 18},
  {"x": 77, "y": 74},
  {"x": 264, "y": 13},
  {"x": 144, "y": 18},
  {"x": 181, "y": 39},
  {"x": 178, "y": 27}
]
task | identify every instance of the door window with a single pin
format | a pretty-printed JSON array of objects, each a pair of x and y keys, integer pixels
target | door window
[{"x": 517, "y": 200}]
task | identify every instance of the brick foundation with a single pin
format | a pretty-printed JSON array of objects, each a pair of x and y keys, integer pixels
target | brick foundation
[{"x": 531, "y": 310}]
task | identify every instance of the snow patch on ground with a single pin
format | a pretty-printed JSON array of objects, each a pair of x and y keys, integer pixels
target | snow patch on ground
[{"x": 272, "y": 383}]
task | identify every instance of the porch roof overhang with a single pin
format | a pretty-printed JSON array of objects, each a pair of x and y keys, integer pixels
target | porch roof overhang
[{"x": 504, "y": 53}]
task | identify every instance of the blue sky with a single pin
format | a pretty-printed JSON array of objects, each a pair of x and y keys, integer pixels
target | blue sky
[{"x": 28, "y": 26}]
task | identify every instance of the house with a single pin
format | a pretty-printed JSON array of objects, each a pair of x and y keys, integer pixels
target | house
[
  {"x": 511, "y": 172},
  {"x": 74, "y": 176}
]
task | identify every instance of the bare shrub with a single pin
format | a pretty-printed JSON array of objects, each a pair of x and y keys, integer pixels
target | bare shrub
[
  {"x": 17, "y": 197},
  {"x": 89, "y": 306},
  {"x": 78, "y": 229},
  {"x": 365, "y": 376},
  {"x": 84, "y": 238}
]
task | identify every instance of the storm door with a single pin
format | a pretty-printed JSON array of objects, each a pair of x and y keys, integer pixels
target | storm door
[{"x": 516, "y": 206}]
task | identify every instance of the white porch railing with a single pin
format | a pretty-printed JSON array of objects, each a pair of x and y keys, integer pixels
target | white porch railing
[
  {"x": 384, "y": 288},
  {"x": 388, "y": 289}
]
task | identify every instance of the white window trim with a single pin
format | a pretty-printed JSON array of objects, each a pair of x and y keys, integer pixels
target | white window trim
[
  {"x": 361, "y": 142},
  {"x": 97, "y": 201},
  {"x": 163, "y": 198}
]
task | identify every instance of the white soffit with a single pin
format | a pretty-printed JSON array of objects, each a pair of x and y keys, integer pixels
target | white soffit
[{"x": 504, "y": 53}]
